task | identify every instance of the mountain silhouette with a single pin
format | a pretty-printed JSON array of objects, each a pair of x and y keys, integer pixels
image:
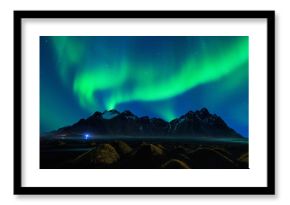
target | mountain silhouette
[{"x": 200, "y": 123}]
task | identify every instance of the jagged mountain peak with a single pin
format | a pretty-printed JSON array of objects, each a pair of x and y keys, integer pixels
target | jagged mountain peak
[
  {"x": 203, "y": 113},
  {"x": 128, "y": 113},
  {"x": 204, "y": 110}
]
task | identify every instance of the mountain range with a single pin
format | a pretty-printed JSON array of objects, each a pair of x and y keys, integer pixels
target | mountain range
[{"x": 199, "y": 123}]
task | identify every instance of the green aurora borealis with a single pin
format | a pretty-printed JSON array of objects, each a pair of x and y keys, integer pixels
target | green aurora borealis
[{"x": 156, "y": 76}]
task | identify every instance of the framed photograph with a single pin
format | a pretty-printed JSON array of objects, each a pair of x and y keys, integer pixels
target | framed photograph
[{"x": 144, "y": 102}]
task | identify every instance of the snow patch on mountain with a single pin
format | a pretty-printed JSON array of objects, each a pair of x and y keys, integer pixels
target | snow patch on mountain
[{"x": 107, "y": 115}]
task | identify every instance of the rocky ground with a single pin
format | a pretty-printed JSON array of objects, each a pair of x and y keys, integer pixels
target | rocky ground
[{"x": 143, "y": 155}]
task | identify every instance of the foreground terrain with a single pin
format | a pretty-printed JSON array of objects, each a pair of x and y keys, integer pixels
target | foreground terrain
[{"x": 140, "y": 154}]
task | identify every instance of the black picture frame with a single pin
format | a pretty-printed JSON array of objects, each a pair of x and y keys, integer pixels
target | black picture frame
[{"x": 270, "y": 18}]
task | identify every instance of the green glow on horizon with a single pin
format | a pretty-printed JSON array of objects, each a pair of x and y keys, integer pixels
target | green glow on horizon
[{"x": 166, "y": 112}]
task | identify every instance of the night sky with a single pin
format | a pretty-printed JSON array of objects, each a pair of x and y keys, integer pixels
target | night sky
[{"x": 156, "y": 76}]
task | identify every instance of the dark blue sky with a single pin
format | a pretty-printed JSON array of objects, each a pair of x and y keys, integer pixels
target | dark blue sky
[{"x": 155, "y": 76}]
